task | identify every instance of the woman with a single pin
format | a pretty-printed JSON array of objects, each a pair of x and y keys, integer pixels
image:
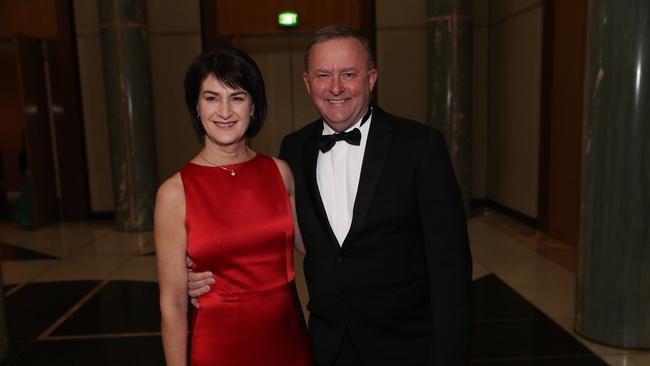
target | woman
[{"x": 231, "y": 209}]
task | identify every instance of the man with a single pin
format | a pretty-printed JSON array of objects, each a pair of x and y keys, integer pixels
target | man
[{"x": 387, "y": 262}]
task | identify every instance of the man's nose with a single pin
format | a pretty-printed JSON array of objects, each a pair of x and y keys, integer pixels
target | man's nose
[{"x": 336, "y": 86}]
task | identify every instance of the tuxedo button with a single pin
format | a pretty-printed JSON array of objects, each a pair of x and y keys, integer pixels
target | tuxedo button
[{"x": 339, "y": 259}]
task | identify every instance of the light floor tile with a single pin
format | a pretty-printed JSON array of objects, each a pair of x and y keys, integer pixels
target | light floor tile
[
  {"x": 72, "y": 269},
  {"x": 489, "y": 245},
  {"x": 119, "y": 243},
  {"x": 567, "y": 323},
  {"x": 140, "y": 268},
  {"x": 57, "y": 240},
  {"x": 14, "y": 272},
  {"x": 628, "y": 360}
]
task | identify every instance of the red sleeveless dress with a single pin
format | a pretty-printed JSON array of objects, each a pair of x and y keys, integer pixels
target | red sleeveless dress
[{"x": 240, "y": 227}]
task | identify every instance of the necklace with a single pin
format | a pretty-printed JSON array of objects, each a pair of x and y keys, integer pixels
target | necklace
[{"x": 232, "y": 172}]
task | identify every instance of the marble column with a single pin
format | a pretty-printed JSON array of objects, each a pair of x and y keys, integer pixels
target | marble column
[
  {"x": 613, "y": 297},
  {"x": 129, "y": 111},
  {"x": 449, "y": 81}
]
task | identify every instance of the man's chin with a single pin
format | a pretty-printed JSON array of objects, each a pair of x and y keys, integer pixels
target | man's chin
[{"x": 338, "y": 126}]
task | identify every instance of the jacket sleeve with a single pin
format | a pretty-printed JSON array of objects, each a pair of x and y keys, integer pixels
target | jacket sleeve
[
  {"x": 284, "y": 150},
  {"x": 447, "y": 252}
]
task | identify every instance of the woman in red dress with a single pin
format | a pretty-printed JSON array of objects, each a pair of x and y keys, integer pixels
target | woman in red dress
[{"x": 231, "y": 210}]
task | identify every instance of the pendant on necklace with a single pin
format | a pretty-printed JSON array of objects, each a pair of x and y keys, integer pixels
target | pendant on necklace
[{"x": 231, "y": 171}]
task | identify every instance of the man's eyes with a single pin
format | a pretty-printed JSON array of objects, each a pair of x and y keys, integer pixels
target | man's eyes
[{"x": 345, "y": 75}]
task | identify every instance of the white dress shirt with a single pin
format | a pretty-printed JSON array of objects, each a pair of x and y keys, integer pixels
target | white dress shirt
[{"x": 337, "y": 175}]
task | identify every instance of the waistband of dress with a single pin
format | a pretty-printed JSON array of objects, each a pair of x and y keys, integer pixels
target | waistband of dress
[{"x": 289, "y": 286}]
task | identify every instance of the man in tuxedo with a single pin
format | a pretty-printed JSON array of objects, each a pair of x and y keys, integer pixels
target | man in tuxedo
[{"x": 387, "y": 262}]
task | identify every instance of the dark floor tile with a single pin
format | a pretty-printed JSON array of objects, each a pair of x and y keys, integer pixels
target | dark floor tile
[
  {"x": 493, "y": 300},
  {"x": 10, "y": 252},
  {"x": 549, "y": 361},
  {"x": 120, "y": 307},
  {"x": 122, "y": 351},
  {"x": 34, "y": 307},
  {"x": 524, "y": 338},
  {"x": 506, "y": 326}
]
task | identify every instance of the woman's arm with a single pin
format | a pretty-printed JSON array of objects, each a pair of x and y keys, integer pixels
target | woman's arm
[
  {"x": 287, "y": 178},
  {"x": 171, "y": 244}
]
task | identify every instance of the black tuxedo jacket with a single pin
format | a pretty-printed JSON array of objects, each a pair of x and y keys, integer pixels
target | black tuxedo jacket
[{"x": 400, "y": 281}]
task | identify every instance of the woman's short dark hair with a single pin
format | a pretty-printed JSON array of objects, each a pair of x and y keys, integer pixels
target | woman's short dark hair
[{"x": 235, "y": 69}]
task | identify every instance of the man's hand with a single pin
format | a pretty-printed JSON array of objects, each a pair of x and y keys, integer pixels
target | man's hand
[{"x": 197, "y": 283}]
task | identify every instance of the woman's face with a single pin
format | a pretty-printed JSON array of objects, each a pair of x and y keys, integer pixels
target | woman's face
[{"x": 225, "y": 112}]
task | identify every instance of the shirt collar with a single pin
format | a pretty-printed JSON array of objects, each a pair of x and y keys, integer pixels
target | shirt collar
[{"x": 327, "y": 130}]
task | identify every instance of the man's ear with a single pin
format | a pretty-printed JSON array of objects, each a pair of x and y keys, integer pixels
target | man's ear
[
  {"x": 305, "y": 79},
  {"x": 372, "y": 78}
]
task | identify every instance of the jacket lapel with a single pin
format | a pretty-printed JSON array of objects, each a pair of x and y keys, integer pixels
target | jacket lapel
[
  {"x": 310, "y": 157},
  {"x": 374, "y": 159}
]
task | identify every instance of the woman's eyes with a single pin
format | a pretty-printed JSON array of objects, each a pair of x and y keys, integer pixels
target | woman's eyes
[{"x": 236, "y": 98}]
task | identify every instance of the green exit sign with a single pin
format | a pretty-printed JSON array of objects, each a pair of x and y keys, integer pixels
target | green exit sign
[{"x": 288, "y": 19}]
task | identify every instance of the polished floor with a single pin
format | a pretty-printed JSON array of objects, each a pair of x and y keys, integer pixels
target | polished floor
[{"x": 84, "y": 294}]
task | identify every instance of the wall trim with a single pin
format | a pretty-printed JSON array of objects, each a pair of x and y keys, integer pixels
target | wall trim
[{"x": 482, "y": 206}]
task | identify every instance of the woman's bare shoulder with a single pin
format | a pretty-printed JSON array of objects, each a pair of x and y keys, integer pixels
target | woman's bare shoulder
[{"x": 171, "y": 191}]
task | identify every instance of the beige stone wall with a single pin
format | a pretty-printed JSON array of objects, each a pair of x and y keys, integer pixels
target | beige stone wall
[
  {"x": 401, "y": 57},
  {"x": 280, "y": 59},
  {"x": 175, "y": 40},
  {"x": 91, "y": 78},
  {"x": 513, "y": 104}
]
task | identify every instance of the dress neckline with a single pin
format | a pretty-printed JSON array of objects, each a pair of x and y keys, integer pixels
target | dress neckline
[{"x": 238, "y": 165}]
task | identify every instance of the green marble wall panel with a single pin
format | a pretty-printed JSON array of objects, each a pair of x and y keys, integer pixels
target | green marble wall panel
[
  {"x": 449, "y": 82},
  {"x": 613, "y": 303},
  {"x": 129, "y": 111}
]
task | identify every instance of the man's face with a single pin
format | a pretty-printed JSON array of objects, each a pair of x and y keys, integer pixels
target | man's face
[{"x": 339, "y": 82}]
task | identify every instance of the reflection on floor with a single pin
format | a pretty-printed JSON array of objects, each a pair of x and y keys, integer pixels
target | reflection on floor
[{"x": 83, "y": 294}]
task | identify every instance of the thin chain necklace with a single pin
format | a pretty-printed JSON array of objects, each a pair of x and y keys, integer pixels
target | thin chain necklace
[{"x": 232, "y": 172}]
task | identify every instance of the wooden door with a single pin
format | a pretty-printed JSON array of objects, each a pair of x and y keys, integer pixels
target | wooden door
[{"x": 564, "y": 45}]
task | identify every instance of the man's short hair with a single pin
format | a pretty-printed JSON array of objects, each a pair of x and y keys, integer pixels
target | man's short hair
[{"x": 336, "y": 32}]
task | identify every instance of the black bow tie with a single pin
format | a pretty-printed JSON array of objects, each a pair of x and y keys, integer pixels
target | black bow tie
[{"x": 327, "y": 142}]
